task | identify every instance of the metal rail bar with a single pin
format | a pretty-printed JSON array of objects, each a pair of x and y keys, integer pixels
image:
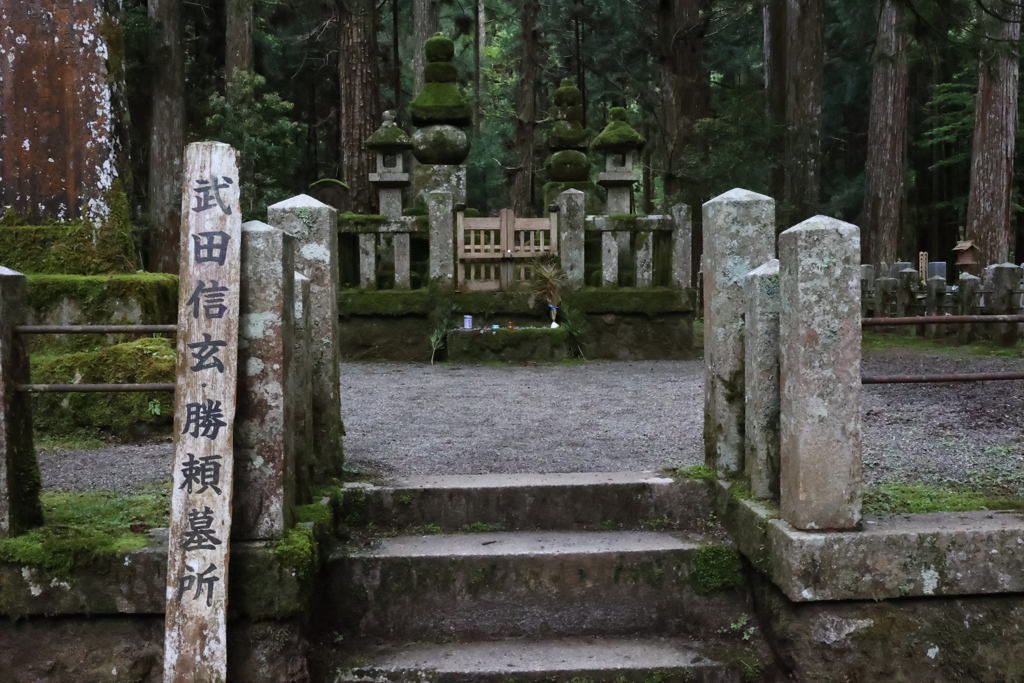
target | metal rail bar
[
  {"x": 92, "y": 388},
  {"x": 94, "y": 329},
  {"x": 950, "y": 377},
  {"x": 942, "y": 320}
]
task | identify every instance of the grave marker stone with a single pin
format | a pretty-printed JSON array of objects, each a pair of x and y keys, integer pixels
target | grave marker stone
[{"x": 195, "y": 645}]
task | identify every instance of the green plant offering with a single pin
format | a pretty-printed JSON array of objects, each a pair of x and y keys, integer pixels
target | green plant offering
[{"x": 548, "y": 283}]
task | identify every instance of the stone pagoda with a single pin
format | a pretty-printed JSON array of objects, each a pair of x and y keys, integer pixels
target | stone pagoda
[
  {"x": 440, "y": 112},
  {"x": 568, "y": 167},
  {"x": 619, "y": 143}
]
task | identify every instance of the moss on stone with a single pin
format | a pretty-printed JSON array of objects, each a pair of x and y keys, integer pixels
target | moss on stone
[
  {"x": 440, "y": 72},
  {"x": 567, "y": 94},
  {"x": 82, "y": 529},
  {"x": 439, "y": 48},
  {"x": 715, "y": 568},
  {"x": 519, "y": 345},
  {"x": 567, "y": 135},
  {"x": 298, "y": 552},
  {"x": 388, "y": 138},
  {"x": 440, "y": 103},
  {"x": 105, "y": 299},
  {"x": 646, "y": 301},
  {"x": 361, "y": 222},
  {"x": 568, "y": 165},
  {"x": 440, "y": 144},
  {"x": 702, "y": 472},
  {"x": 618, "y": 137},
  {"x": 122, "y": 416},
  {"x": 75, "y": 247}
]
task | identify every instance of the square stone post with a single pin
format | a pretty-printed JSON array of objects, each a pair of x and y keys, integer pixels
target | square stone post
[
  {"x": 403, "y": 266},
  {"x": 315, "y": 227},
  {"x": 644, "y": 259},
  {"x": 820, "y": 341},
  {"x": 739, "y": 235},
  {"x": 368, "y": 260},
  {"x": 1006, "y": 279},
  {"x": 761, "y": 379},
  {"x": 609, "y": 259},
  {"x": 682, "y": 246},
  {"x": 624, "y": 241},
  {"x": 572, "y": 214},
  {"x": 936, "y": 297},
  {"x": 968, "y": 291},
  {"x": 442, "y": 237},
  {"x": 20, "y": 484},
  {"x": 301, "y": 397},
  {"x": 867, "y": 290},
  {"x": 264, "y": 445}
]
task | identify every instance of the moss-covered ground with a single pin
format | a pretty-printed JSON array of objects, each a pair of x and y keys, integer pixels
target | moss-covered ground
[
  {"x": 81, "y": 528},
  {"x": 874, "y": 341},
  {"x": 896, "y": 497}
]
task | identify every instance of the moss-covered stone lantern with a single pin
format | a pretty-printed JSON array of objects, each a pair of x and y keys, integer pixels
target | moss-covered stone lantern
[
  {"x": 619, "y": 143},
  {"x": 568, "y": 166},
  {"x": 389, "y": 142}
]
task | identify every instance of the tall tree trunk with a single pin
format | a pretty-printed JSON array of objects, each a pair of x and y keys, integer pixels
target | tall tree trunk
[
  {"x": 774, "y": 19},
  {"x": 805, "y": 59},
  {"x": 396, "y": 69},
  {"x": 887, "y": 135},
  {"x": 685, "y": 84},
  {"x": 359, "y": 100},
  {"x": 686, "y": 97},
  {"x": 995, "y": 132},
  {"x": 238, "y": 36},
  {"x": 526, "y": 119},
  {"x": 581, "y": 67},
  {"x": 426, "y": 21},
  {"x": 166, "y": 135},
  {"x": 479, "y": 48}
]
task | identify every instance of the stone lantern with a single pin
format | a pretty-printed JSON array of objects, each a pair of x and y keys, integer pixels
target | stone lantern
[
  {"x": 619, "y": 143},
  {"x": 389, "y": 142}
]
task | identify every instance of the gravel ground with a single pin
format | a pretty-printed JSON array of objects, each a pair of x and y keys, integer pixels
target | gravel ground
[{"x": 608, "y": 416}]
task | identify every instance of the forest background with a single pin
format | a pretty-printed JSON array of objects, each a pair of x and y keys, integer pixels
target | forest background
[{"x": 898, "y": 115}]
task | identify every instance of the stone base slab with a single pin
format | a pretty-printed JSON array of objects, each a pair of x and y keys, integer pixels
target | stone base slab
[{"x": 892, "y": 556}]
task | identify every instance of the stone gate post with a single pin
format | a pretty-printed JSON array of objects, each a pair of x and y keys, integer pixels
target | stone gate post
[
  {"x": 761, "y": 379},
  {"x": 571, "y": 218},
  {"x": 820, "y": 341},
  {"x": 739, "y": 235}
]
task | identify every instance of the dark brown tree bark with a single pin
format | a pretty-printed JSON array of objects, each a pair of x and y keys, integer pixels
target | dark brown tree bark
[
  {"x": 995, "y": 133},
  {"x": 166, "y": 135},
  {"x": 887, "y": 136},
  {"x": 426, "y": 21},
  {"x": 526, "y": 111},
  {"x": 396, "y": 68},
  {"x": 685, "y": 84},
  {"x": 774, "y": 18},
  {"x": 359, "y": 112},
  {"x": 238, "y": 36},
  {"x": 479, "y": 47},
  {"x": 805, "y": 59}
]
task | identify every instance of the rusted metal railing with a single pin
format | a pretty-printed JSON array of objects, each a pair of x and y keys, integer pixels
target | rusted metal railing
[
  {"x": 94, "y": 329},
  {"x": 941, "y": 320}
]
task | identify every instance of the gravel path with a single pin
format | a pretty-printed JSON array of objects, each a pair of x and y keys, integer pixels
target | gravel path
[{"x": 609, "y": 416}]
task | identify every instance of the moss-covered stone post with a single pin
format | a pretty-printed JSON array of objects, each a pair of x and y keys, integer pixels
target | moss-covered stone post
[
  {"x": 571, "y": 219},
  {"x": 609, "y": 259},
  {"x": 20, "y": 509},
  {"x": 315, "y": 227},
  {"x": 867, "y": 289},
  {"x": 390, "y": 143},
  {"x": 264, "y": 450},
  {"x": 934, "y": 300},
  {"x": 301, "y": 397},
  {"x": 1006, "y": 278},
  {"x": 819, "y": 365},
  {"x": 440, "y": 112},
  {"x": 968, "y": 290},
  {"x": 739, "y": 235},
  {"x": 442, "y": 237},
  {"x": 368, "y": 260},
  {"x": 644, "y": 258},
  {"x": 761, "y": 379},
  {"x": 682, "y": 246}
]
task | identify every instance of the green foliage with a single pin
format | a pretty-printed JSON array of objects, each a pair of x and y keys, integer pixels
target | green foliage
[
  {"x": 83, "y": 529},
  {"x": 255, "y": 123},
  {"x": 897, "y": 497},
  {"x": 298, "y": 551},
  {"x": 480, "y": 528},
  {"x": 443, "y": 320},
  {"x": 701, "y": 472}
]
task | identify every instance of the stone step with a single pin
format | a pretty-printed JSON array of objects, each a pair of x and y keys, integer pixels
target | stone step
[
  {"x": 589, "y": 500},
  {"x": 592, "y": 659},
  {"x": 539, "y": 584}
]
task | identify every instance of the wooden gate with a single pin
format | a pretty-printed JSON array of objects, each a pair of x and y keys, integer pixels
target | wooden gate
[{"x": 497, "y": 253}]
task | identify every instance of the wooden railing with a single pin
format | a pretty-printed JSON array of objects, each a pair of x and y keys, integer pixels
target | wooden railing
[{"x": 497, "y": 253}]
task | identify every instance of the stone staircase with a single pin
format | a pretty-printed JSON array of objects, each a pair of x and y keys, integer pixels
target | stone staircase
[{"x": 610, "y": 576}]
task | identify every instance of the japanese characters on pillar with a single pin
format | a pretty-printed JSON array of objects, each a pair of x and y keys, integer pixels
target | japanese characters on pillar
[{"x": 195, "y": 646}]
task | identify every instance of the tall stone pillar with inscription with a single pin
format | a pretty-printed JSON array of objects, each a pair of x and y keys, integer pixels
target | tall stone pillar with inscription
[{"x": 195, "y": 645}]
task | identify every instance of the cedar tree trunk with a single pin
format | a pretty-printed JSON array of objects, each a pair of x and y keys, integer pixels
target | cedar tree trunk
[
  {"x": 359, "y": 99},
  {"x": 995, "y": 132},
  {"x": 238, "y": 36},
  {"x": 426, "y": 21},
  {"x": 887, "y": 136},
  {"x": 526, "y": 119},
  {"x": 774, "y": 16},
  {"x": 805, "y": 58}
]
